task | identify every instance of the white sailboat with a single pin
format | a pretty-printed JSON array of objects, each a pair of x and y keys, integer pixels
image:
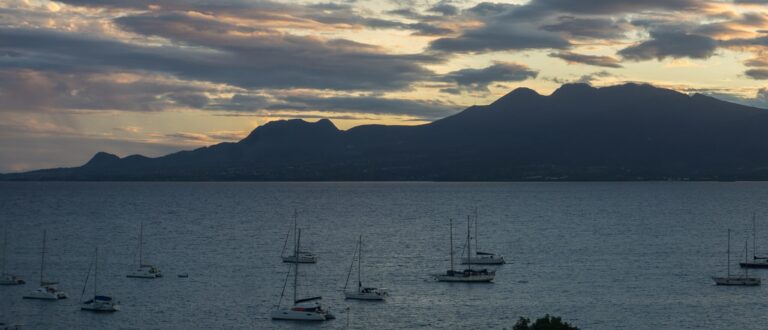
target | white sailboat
[
  {"x": 468, "y": 274},
  {"x": 99, "y": 303},
  {"x": 482, "y": 258},
  {"x": 144, "y": 270},
  {"x": 47, "y": 289},
  {"x": 736, "y": 279},
  {"x": 757, "y": 261},
  {"x": 6, "y": 278},
  {"x": 362, "y": 293},
  {"x": 303, "y": 257},
  {"x": 307, "y": 309}
]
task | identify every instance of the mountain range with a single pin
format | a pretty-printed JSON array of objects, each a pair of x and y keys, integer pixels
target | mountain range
[{"x": 579, "y": 132}]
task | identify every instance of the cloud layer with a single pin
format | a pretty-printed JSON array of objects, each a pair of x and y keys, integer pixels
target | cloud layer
[{"x": 357, "y": 61}]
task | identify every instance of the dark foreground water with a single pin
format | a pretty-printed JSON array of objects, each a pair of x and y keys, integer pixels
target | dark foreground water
[{"x": 601, "y": 255}]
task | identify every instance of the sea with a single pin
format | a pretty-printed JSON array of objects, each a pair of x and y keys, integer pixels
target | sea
[{"x": 603, "y": 255}]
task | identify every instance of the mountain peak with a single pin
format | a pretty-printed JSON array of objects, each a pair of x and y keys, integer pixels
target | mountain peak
[
  {"x": 574, "y": 89},
  {"x": 519, "y": 95},
  {"x": 101, "y": 158},
  {"x": 292, "y": 129}
]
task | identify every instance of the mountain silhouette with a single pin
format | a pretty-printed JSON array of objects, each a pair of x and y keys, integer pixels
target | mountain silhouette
[{"x": 623, "y": 132}]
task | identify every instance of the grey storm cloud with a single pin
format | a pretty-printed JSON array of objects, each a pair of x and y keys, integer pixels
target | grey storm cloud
[
  {"x": 488, "y": 9},
  {"x": 518, "y": 27},
  {"x": 589, "y": 28},
  {"x": 757, "y": 74},
  {"x": 599, "y": 7},
  {"x": 499, "y": 37},
  {"x": 479, "y": 79},
  {"x": 603, "y": 61},
  {"x": 271, "y": 61},
  {"x": 367, "y": 104},
  {"x": 30, "y": 90},
  {"x": 757, "y": 41},
  {"x": 444, "y": 9},
  {"x": 672, "y": 45},
  {"x": 589, "y": 78},
  {"x": 363, "y": 104},
  {"x": 325, "y": 13}
]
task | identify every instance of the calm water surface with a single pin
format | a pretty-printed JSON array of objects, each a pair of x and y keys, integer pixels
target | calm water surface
[{"x": 601, "y": 255}]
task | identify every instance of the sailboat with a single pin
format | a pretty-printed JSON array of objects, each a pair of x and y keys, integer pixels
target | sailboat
[
  {"x": 303, "y": 257},
  {"x": 735, "y": 279},
  {"x": 144, "y": 270},
  {"x": 468, "y": 274},
  {"x": 307, "y": 309},
  {"x": 47, "y": 289},
  {"x": 99, "y": 303},
  {"x": 757, "y": 261},
  {"x": 362, "y": 293},
  {"x": 482, "y": 258},
  {"x": 5, "y": 278}
]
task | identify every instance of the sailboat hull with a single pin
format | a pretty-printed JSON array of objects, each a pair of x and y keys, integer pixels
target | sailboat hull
[
  {"x": 99, "y": 307},
  {"x": 8, "y": 279},
  {"x": 46, "y": 293},
  {"x": 370, "y": 295},
  {"x": 753, "y": 264},
  {"x": 145, "y": 271},
  {"x": 494, "y": 260},
  {"x": 737, "y": 281},
  {"x": 303, "y": 259},
  {"x": 483, "y": 278},
  {"x": 293, "y": 315}
]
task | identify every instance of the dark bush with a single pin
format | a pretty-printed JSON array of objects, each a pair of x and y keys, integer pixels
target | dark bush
[{"x": 545, "y": 323}]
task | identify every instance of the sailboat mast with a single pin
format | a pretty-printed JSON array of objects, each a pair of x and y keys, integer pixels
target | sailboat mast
[
  {"x": 746, "y": 269},
  {"x": 451, "y": 249},
  {"x": 477, "y": 235},
  {"x": 296, "y": 273},
  {"x": 42, "y": 260},
  {"x": 141, "y": 240},
  {"x": 96, "y": 272},
  {"x": 5, "y": 247},
  {"x": 469, "y": 244},
  {"x": 359, "y": 263},
  {"x": 729, "y": 253},
  {"x": 754, "y": 237}
]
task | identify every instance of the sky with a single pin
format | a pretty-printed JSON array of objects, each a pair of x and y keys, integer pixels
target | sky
[{"x": 154, "y": 77}]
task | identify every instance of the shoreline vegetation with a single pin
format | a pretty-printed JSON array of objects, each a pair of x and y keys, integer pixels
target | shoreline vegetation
[{"x": 545, "y": 323}]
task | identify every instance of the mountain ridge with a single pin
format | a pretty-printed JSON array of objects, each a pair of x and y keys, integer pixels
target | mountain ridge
[{"x": 579, "y": 132}]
